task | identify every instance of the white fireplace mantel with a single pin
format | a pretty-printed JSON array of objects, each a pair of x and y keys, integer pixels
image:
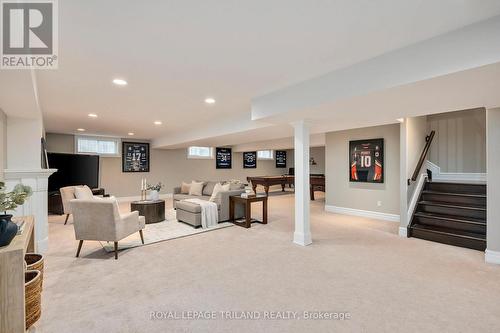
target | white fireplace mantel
[{"x": 37, "y": 179}]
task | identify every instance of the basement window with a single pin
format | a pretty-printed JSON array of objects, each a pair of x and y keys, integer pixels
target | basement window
[
  {"x": 97, "y": 145},
  {"x": 265, "y": 154},
  {"x": 200, "y": 152}
]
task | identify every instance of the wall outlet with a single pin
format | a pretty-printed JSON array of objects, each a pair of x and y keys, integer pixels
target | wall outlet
[{"x": 379, "y": 203}]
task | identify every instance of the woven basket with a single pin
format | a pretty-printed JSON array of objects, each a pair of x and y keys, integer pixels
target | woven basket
[
  {"x": 33, "y": 296},
  {"x": 34, "y": 262}
]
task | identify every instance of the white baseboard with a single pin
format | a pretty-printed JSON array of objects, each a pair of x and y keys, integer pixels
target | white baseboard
[
  {"x": 362, "y": 213},
  {"x": 454, "y": 176},
  {"x": 138, "y": 197},
  {"x": 403, "y": 232},
  {"x": 492, "y": 257}
]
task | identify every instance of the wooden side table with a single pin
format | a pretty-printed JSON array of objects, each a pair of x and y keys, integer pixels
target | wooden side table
[
  {"x": 152, "y": 210},
  {"x": 247, "y": 202}
]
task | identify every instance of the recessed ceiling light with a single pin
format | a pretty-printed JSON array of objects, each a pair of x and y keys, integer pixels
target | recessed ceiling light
[
  {"x": 209, "y": 100},
  {"x": 92, "y": 115},
  {"x": 158, "y": 122},
  {"x": 401, "y": 120},
  {"x": 80, "y": 129},
  {"x": 131, "y": 133},
  {"x": 120, "y": 82}
]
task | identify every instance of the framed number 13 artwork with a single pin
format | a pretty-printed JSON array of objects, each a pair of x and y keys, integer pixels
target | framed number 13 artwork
[{"x": 366, "y": 161}]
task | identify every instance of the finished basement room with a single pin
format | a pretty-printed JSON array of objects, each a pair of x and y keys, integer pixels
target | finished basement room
[{"x": 249, "y": 166}]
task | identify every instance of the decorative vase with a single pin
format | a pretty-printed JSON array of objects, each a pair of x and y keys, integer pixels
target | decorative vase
[
  {"x": 8, "y": 230},
  {"x": 154, "y": 195}
]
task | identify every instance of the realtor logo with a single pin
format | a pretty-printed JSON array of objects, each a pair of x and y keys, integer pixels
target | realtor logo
[{"x": 29, "y": 34}]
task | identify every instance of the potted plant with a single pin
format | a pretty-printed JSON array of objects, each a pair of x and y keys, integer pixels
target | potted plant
[
  {"x": 10, "y": 201},
  {"x": 154, "y": 191}
]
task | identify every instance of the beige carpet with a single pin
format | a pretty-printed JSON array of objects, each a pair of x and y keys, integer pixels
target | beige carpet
[
  {"x": 357, "y": 265},
  {"x": 160, "y": 232}
]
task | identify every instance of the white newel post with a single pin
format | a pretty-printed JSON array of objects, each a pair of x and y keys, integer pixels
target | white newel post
[
  {"x": 37, "y": 204},
  {"x": 302, "y": 234}
]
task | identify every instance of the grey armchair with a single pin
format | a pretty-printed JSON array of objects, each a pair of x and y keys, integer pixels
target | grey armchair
[{"x": 100, "y": 220}]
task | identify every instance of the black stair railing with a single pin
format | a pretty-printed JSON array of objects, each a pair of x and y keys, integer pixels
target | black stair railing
[{"x": 428, "y": 142}]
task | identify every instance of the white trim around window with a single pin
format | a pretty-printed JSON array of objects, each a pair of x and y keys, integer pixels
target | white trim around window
[
  {"x": 203, "y": 153},
  {"x": 96, "y": 145},
  {"x": 265, "y": 155}
]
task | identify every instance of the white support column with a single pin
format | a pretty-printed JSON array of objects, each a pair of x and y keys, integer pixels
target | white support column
[
  {"x": 302, "y": 234},
  {"x": 403, "y": 185},
  {"x": 492, "y": 254}
]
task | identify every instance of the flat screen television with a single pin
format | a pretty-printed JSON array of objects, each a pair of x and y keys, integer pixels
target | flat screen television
[{"x": 73, "y": 169}]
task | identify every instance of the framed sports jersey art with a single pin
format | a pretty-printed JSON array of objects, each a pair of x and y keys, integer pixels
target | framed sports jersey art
[
  {"x": 366, "y": 161},
  {"x": 135, "y": 157}
]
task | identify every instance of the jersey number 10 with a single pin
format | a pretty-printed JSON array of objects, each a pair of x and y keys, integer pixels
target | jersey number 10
[{"x": 366, "y": 161}]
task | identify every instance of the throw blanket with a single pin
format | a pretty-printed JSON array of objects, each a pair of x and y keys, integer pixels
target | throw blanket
[{"x": 209, "y": 213}]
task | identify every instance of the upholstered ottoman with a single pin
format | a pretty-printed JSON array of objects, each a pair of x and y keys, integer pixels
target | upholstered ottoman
[{"x": 189, "y": 212}]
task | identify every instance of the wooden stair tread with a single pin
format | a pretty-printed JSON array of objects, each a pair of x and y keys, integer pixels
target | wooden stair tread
[
  {"x": 468, "y": 220},
  {"x": 450, "y": 232},
  {"x": 450, "y": 205},
  {"x": 455, "y": 194},
  {"x": 455, "y": 183}
]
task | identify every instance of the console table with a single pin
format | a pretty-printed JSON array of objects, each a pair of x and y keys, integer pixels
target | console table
[{"x": 12, "y": 315}]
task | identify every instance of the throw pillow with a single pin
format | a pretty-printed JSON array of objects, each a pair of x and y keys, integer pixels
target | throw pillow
[
  {"x": 185, "y": 188},
  {"x": 236, "y": 184},
  {"x": 83, "y": 193},
  {"x": 209, "y": 188},
  {"x": 219, "y": 188},
  {"x": 196, "y": 188}
]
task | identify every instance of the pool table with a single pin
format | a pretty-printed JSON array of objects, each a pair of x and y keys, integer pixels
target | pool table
[{"x": 317, "y": 182}]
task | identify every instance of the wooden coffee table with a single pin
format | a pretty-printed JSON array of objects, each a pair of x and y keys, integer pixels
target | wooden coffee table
[
  {"x": 152, "y": 210},
  {"x": 247, "y": 202}
]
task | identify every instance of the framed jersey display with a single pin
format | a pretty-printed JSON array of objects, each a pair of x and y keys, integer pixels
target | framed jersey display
[
  {"x": 280, "y": 158},
  {"x": 250, "y": 160},
  {"x": 366, "y": 161},
  {"x": 223, "y": 158},
  {"x": 135, "y": 157}
]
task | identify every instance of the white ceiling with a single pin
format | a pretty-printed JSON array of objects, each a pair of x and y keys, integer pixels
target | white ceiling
[{"x": 174, "y": 54}]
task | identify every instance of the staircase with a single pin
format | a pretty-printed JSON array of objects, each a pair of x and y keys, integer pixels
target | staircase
[{"x": 451, "y": 213}]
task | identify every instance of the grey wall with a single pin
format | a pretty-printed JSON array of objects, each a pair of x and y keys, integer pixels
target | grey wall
[
  {"x": 319, "y": 157},
  {"x": 493, "y": 212},
  {"x": 342, "y": 193},
  {"x": 171, "y": 167},
  {"x": 3, "y": 143},
  {"x": 460, "y": 141},
  {"x": 60, "y": 143}
]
